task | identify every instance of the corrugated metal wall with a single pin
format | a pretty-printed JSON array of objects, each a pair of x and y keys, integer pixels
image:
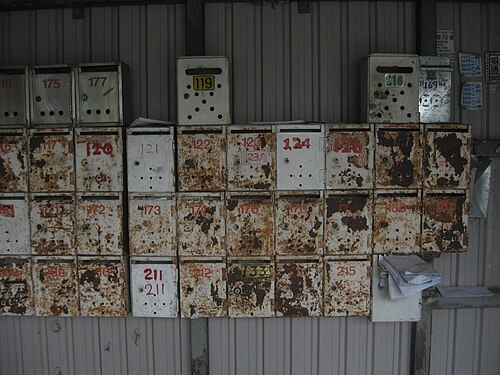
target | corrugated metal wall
[{"x": 286, "y": 66}]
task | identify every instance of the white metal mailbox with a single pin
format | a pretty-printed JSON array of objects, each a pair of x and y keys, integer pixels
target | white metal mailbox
[
  {"x": 349, "y": 156},
  {"x": 251, "y": 157},
  {"x": 203, "y": 93},
  {"x": 52, "y": 160},
  {"x": 348, "y": 222},
  {"x": 300, "y": 157},
  {"x": 389, "y": 90},
  {"x": 102, "y": 286},
  {"x": 14, "y": 224},
  {"x": 154, "y": 287},
  {"x": 55, "y": 284},
  {"x": 152, "y": 224},
  {"x": 435, "y": 89},
  {"x": 101, "y": 92},
  {"x": 99, "y": 159},
  {"x": 52, "y": 96},
  {"x": 99, "y": 224},
  {"x": 13, "y": 160},
  {"x": 14, "y": 104},
  {"x": 203, "y": 287},
  {"x": 150, "y": 160},
  {"x": 16, "y": 286},
  {"x": 52, "y": 224}
]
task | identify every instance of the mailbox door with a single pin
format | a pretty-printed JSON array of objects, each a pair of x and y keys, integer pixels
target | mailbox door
[
  {"x": 152, "y": 223},
  {"x": 348, "y": 227},
  {"x": 150, "y": 160},
  {"x": 154, "y": 288},
  {"x": 14, "y": 224},
  {"x": 52, "y": 224},
  {"x": 99, "y": 224},
  {"x": 13, "y": 161},
  {"x": 52, "y": 157},
  {"x": 347, "y": 288},
  {"x": 250, "y": 225},
  {"x": 99, "y": 160},
  {"x": 299, "y": 288},
  {"x": 13, "y": 98},
  {"x": 16, "y": 287},
  {"x": 203, "y": 289},
  {"x": 56, "y": 287},
  {"x": 435, "y": 92},
  {"x": 250, "y": 287}
]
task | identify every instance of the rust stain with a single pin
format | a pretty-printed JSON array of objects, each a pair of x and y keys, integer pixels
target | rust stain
[{"x": 16, "y": 293}]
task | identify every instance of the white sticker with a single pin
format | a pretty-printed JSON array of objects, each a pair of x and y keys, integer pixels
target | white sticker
[
  {"x": 470, "y": 64},
  {"x": 472, "y": 96},
  {"x": 445, "y": 44}
]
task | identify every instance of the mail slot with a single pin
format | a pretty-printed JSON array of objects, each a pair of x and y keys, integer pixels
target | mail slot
[
  {"x": 203, "y": 288},
  {"x": 13, "y": 160},
  {"x": 154, "y": 287},
  {"x": 203, "y": 92},
  {"x": 447, "y": 156},
  {"x": 14, "y": 104},
  {"x": 14, "y": 224},
  {"x": 16, "y": 287},
  {"x": 52, "y": 96},
  {"x": 435, "y": 89},
  {"x": 150, "y": 160},
  {"x": 250, "y": 224},
  {"x": 201, "y": 224},
  {"x": 56, "y": 286},
  {"x": 99, "y": 159},
  {"x": 396, "y": 223},
  {"x": 299, "y": 287},
  {"x": 347, "y": 287},
  {"x": 300, "y": 157},
  {"x": 102, "y": 286},
  {"x": 398, "y": 157},
  {"x": 251, "y": 157},
  {"x": 201, "y": 158},
  {"x": 52, "y": 224},
  {"x": 52, "y": 160},
  {"x": 348, "y": 225},
  {"x": 152, "y": 224},
  {"x": 250, "y": 287},
  {"x": 445, "y": 221},
  {"x": 299, "y": 223}
]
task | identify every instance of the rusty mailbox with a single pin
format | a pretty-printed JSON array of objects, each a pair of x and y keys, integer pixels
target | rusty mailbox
[
  {"x": 99, "y": 159},
  {"x": 390, "y": 88},
  {"x": 299, "y": 287},
  {"x": 99, "y": 224},
  {"x": 349, "y": 156},
  {"x": 52, "y": 160},
  {"x": 52, "y": 224},
  {"x": 14, "y": 104},
  {"x": 251, "y": 157},
  {"x": 150, "y": 160},
  {"x": 101, "y": 92},
  {"x": 203, "y": 284},
  {"x": 14, "y": 224},
  {"x": 102, "y": 286},
  {"x": 299, "y": 223},
  {"x": 445, "y": 221},
  {"x": 397, "y": 221},
  {"x": 13, "y": 160},
  {"x": 300, "y": 157},
  {"x": 52, "y": 96},
  {"x": 348, "y": 286},
  {"x": 16, "y": 287},
  {"x": 56, "y": 286},
  {"x": 447, "y": 156},
  {"x": 250, "y": 224},
  {"x": 250, "y": 287},
  {"x": 348, "y": 222},
  {"x": 435, "y": 89},
  {"x": 201, "y": 224},
  {"x": 398, "y": 157},
  {"x": 154, "y": 287},
  {"x": 203, "y": 95},
  {"x": 201, "y": 158}
]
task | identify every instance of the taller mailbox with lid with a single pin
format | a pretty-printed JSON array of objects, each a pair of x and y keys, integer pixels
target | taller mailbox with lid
[
  {"x": 435, "y": 89},
  {"x": 14, "y": 105}
]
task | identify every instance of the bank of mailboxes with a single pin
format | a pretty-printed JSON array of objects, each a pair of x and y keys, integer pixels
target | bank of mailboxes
[
  {"x": 14, "y": 161},
  {"x": 14, "y": 105},
  {"x": 435, "y": 89}
]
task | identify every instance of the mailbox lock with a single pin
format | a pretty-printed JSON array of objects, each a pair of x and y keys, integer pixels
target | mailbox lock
[
  {"x": 237, "y": 290},
  {"x": 84, "y": 97},
  {"x": 286, "y": 160},
  {"x": 38, "y": 99}
]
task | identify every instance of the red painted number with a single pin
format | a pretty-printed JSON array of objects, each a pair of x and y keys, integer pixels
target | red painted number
[
  {"x": 202, "y": 144},
  {"x": 343, "y": 271},
  {"x": 445, "y": 206},
  {"x": 7, "y": 271},
  {"x": 97, "y": 81},
  {"x": 300, "y": 272},
  {"x": 149, "y": 148},
  {"x": 255, "y": 157},
  {"x": 49, "y": 144},
  {"x": 247, "y": 208},
  {"x": 54, "y": 271},
  {"x": 296, "y": 143},
  {"x": 396, "y": 207},
  {"x": 202, "y": 272},
  {"x": 98, "y": 149},
  {"x": 153, "y": 274},
  {"x": 346, "y": 144},
  {"x": 343, "y": 207},
  {"x": 295, "y": 208},
  {"x": 5, "y": 147},
  {"x": 5, "y": 83},
  {"x": 151, "y": 210},
  {"x": 154, "y": 290},
  {"x": 51, "y": 83},
  {"x": 105, "y": 272},
  {"x": 252, "y": 142},
  {"x": 51, "y": 211},
  {"x": 7, "y": 210},
  {"x": 198, "y": 209},
  {"x": 96, "y": 209}
]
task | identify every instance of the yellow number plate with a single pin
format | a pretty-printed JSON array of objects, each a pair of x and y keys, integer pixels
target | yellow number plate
[{"x": 204, "y": 83}]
